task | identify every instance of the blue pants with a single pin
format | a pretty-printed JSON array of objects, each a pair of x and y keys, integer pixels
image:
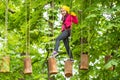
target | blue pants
[{"x": 64, "y": 36}]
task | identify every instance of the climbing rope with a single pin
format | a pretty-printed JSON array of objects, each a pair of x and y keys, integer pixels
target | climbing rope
[
  {"x": 6, "y": 27},
  {"x": 81, "y": 33},
  {"x": 27, "y": 60},
  {"x": 89, "y": 33},
  {"x": 53, "y": 22},
  {"x": 27, "y": 20}
]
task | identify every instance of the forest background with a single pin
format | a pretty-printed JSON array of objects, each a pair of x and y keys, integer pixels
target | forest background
[{"x": 37, "y": 23}]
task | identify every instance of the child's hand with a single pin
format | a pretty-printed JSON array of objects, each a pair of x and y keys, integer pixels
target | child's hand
[{"x": 73, "y": 14}]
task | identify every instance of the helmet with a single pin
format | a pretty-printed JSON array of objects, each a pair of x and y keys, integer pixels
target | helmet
[{"x": 66, "y": 8}]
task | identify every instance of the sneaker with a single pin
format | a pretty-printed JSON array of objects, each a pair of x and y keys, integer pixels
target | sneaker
[
  {"x": 71, "y": 59},
  {"x": 54, "y": 54}
]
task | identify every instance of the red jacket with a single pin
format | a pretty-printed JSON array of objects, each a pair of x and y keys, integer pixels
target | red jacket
[{"x": 68, "y": 21}]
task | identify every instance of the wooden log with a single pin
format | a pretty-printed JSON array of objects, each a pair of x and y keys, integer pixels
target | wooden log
[
  {"x": 52, "y": 66},
  {"x": 68, "y": 68},
  {"x": 84, "y": 61},
  {"x": 5, "y": 64},
  {"x": 107, "y": 59},
  {"x": 27, "y": 65}
]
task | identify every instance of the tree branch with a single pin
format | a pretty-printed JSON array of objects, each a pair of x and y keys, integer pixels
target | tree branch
[{"x": 12, "y": 11}]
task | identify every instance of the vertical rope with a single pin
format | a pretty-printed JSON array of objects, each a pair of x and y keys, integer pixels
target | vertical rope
[
  {"x": 89, "y": 33},
  {"x": 6, "y": 26},
  {"x": 70, "y": 4},
  {"x": 29, "y": 28},
  {"x": 27, "y": 19},
  {"x": 81, "y": 38},
  {"x": 53, "y": 23},
  {"x": 71, "y": 17},
  {"x": 26, "y": 27}
]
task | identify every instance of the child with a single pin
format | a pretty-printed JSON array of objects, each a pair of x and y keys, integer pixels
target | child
[{"x": 67, "y": 19}]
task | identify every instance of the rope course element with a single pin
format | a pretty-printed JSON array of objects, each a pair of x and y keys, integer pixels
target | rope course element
[
  {"x": 5, "y": 65},
  {"x": 6, "y": 25},
  {"x": 27, "y": 60},
  {"x": 52, "y": 65},
  {"x": 68, "y": 63},
  {"x": 84, "y": 54}
]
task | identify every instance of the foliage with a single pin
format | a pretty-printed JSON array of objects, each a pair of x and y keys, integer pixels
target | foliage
[{"x": 99, "y": 27}]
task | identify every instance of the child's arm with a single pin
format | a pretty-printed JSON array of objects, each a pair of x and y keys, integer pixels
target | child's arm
[{"x": 75, "y": 19}]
